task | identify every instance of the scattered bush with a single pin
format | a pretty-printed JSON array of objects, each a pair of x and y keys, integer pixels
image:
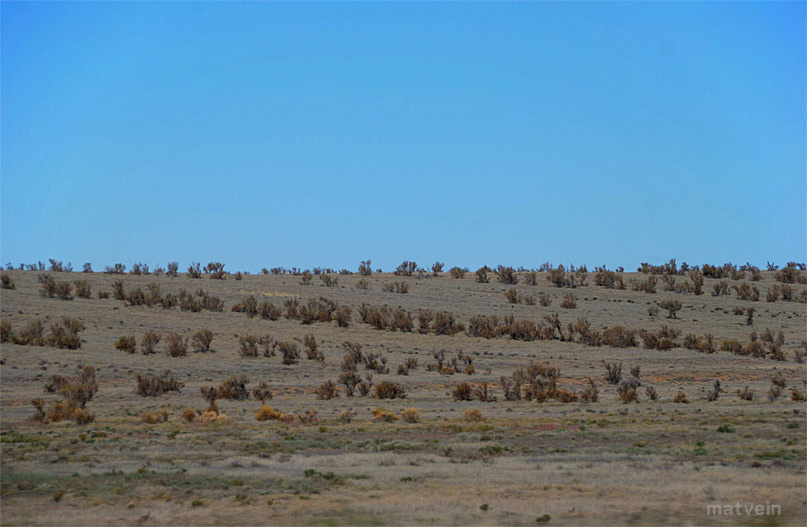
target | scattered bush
[
  {"x": 613, "y": 372},
  {"x": 672, "y": 307},
  {"x": 154, "y": 418},
  {"x": 202, "y": 340},
  {"x": 6, "y": 282},
  {"x": 82, "y": 289},
  {"x": 463, "y": 392},
  {"x": 126, "y": 343},
  {"x": 290, "y": 352},
  {"x": 473, "y": 415},
  {"x": 745, "y": 394},
  {"x": 410, "y": 415},
  {"x": 188, "y": 414},
  {"x": 396, "y": 287},
  {"x": 327, "y": 391},
  {"x": 176, "y": 346},
  {"x": 379, "y": 414},
  {"x": 591, "y": 394},
  {"x": 155, "y": 385},
  {"x": 457, "y": 272},
  {"x": 389, "y": 390},
  {"x": 149, "y": 342},
  {"x": 569, "y": 301},
  {"x": 234, "y": 388}
]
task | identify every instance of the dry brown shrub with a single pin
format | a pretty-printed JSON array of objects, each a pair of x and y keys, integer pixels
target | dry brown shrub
[{"x": 410, "y": 415}]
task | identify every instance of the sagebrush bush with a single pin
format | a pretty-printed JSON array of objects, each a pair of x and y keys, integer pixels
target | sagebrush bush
[
  {"x": 680, "y": 397},
  {"x": 672, "y": 307},
  {"x": 473, "y": 415},
  {"x": 234, "y": 388},
  {"x": 457, "y": 272},
  {"x": 248, "y": 345},
  {"x": 262, "y": 392},
  {"x": 176, "y": 346},
  {"x": 154, "y": 418},
  {"x": 6, "y": 282},
  {"x": 202, "y": 340},
  {"x": 396, "y": 287},
  {"x": 410, "y": 415},
  {"x": 327, "y": 390},
  {"x": 406, "y": 268},
  {"x": 389, "y": 390},
  {"x": 155, "y": 385},
  {"x": 463, "y": 392},
  {"x": 290, "y": 352},
  {"x": 482, "y": 275},
  {"x": 365, "y": 268},
  {"x": 591, "y": 394},
  {"x": 613, "y": 372},
  {"x": 506, "y": 275},
  {"x": 380, "y": 414},
  {"x": 569, "y": 301},
  {"x": 149, "y": 342},
  {"x": 126, "y": 343}
]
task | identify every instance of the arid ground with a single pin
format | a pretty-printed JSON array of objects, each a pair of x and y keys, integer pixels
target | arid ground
[{"x": 560, "y": 461}]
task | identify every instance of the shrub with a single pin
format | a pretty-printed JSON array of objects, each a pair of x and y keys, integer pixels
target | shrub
[
  {"x": 609, "y": 279},
  {"x": 215, "y": 270},
  {"x": 342, "y": 316},
  {"x": 389, "y": 390},
  {"x": 789, "y": 275},
  {"x": 569, "y": 301},
  {"x": 262, "y": 392},
  {"x": 248, "y": 346},
  {"x": 149, "y": 342},
  {"x": 234, "y": 388},
  {"x": 627, "y": 393},
  {"x": 482, "y": 275},
  {"x": 591, "y": 393},
  {"x": 194, "y": 270},
  {"x": 483, "y": 393},
  {"x": 463, "y": 392},
  {"x": 176, "y": 346},
  {"x": 379, "y": 414},
  {"x": 444, "y": 324},
  {"x": 118, "y": 268},
  {"x": 309, "y": 417},
  {"x": 154, "y": 385},
  {"x": 648, "y": 285},
  {"x": 473, "y": 415},
  {"x": 362, "y": 284},
  {"x": 6, "y": 332},
  {"x": 328, "y": 280},
  {"x": 202, "y": 340},
  {"x": 406, "y": 268},
  {"x": 544, "y": 299},
  {"x": 365, "y": 268},
  {"x": 346, "y": 416},
  {"x": 188, "y": 415},
  {"x": 506, "y": 275},
  {"x": 6, "y": 282},
  {"x": 410, "y": 415},
  {"x": 680, "y": 397},
  {"x": 457, "y": 272},
  {"x": 720, "y": 288},
  {"x": 672, "y": 307},
  {"x": 745, "y": 394},
  {"x": 126, "y": 343},
  {"x": 154, "y": 418},
  {"x": 269, "y": 311},
  {"x": 651, "y": 393},
  {"x": 266, "y": 413},
  {"x": 747, "y": 292},
  {"x": 82, "y": 289},
  {"x": 531, "y": 278},
  {"x": 396, "y": 287},
  {"x": 619, "y": 337},
  {"x": 289, "y": 351},
  {"x": 327, "y": 391},
  {"x": 511, "y": 295},
  {"x": 613, "y": 372}
]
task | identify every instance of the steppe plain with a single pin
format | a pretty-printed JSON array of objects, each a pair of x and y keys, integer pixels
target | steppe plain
[{"x": 526, "y": 463}]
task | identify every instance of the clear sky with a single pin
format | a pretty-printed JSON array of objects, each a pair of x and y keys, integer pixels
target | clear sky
[{"x": 294, "y": 134}]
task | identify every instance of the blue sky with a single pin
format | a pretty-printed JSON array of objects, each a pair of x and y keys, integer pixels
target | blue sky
[{"x": 322, "y": 134}]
